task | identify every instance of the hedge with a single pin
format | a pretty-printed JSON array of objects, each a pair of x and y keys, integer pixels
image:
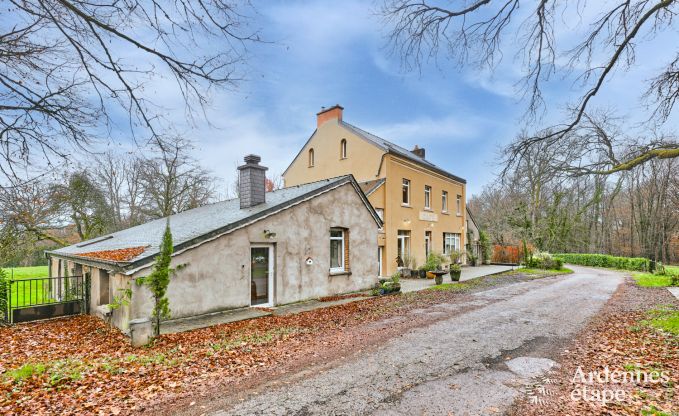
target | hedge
[{"x": 603, "y": 260}]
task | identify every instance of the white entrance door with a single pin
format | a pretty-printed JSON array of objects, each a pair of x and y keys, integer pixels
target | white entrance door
[
  {"x": 261, "y": 275},
  {"x": 379, "y": 260}
]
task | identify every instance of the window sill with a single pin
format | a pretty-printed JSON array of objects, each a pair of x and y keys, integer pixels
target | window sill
[
  {"x": 406, "y": 205},
  {"x": 458, "y": 215},
  {"x": 445, "y": 212},
  {"x": 339, "y": 273},
  {"x": 427, "y": 209}
]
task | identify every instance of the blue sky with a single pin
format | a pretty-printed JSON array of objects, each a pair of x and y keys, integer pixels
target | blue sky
[{"x": 323, "y": 53}]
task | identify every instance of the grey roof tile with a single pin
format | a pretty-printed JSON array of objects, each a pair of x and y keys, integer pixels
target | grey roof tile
[
  {"x": 192, "y": 224},
  {"x": 388, "y": 146}
]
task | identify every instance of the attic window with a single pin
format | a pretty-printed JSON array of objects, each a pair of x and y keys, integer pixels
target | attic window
[
  {"x": 343, "y": 149},
  {"x": 311, "y": 158},
  {"x": 99, "y": 240}
]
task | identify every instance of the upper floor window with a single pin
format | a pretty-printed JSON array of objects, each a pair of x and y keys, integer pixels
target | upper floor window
[
  {"x": 427, "y": 196},
  {"x": 311, "y": 157},
  {"x": 459, "y": 204},
  {"x": 444, "y": 201},
  {"x": 343, "y": 149},
  {"x": 405, "y": 199}
]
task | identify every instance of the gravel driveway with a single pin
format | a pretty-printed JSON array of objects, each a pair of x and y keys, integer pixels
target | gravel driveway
[{"x": 473, "y": 363}]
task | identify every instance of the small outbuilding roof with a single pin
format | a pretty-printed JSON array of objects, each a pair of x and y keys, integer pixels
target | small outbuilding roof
[{"x": 138, "y": 245}]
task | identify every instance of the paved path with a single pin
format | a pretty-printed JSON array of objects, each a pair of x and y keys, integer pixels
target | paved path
[
  {"x": 468, "y": 273},
  {"x": 472, "y": 363}
]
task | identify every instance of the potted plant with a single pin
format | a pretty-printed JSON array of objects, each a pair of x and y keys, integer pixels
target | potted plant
[
  {"x": 455, "y": 272},
  {"x": 455, "y": 257},
  {"x": 433, "y": 267}
]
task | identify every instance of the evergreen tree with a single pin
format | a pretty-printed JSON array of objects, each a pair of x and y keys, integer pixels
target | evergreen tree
[{"x": 159, "y": 280}]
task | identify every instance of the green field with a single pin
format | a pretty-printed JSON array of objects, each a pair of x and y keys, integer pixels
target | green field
[
  {"x": 25, "y": 294},
  {"x": 653, "y": 280},
  {"x": 27, "y": 272}
]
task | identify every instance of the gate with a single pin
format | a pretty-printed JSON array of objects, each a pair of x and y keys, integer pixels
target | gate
[{"x": 33, "y": 299}]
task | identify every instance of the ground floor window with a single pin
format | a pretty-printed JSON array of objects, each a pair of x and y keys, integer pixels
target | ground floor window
[
  {"x": 451, "y": 243},
  {"x": 403, "y": 244},
  {"x": 337, "y": 250}
]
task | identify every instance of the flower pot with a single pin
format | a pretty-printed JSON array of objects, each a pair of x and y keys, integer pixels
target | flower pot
[
  {"x": 430, "y": 275},
  {"x": 455, "y": 276},
  {"x": 423, "y": 274},
  {"x": 438, "y": 279}
]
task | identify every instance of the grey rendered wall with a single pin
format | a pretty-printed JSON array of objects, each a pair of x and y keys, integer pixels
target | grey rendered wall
[{"x": 216, "y": 275}]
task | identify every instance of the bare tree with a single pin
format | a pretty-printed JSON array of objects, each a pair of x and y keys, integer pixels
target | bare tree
[
  {"x": 173, "y": 181},
  {"x": 30, "y": 209},
  {"x": 471, "y": 32},
  {"x": 84, "y": 203},
  {"x": 67, "y": 67}
]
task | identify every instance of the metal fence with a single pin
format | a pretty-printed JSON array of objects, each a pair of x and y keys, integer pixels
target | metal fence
[{"x": 23, "y": 300}]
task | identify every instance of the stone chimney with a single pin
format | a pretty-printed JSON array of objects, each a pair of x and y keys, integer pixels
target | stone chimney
[
  {"x": 251, "y": 180},
  {"x": 327, "y": 114},
  {"x": 418, "y": 151}
]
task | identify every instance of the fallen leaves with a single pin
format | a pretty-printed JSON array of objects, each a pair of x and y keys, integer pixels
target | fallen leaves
[
  {"x": 620, "y": 340},
  {"x": 122, "y": 254},
  {"x": 88, "y": 368}
]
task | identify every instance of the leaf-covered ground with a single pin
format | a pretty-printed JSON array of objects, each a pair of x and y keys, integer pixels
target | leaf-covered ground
[
  {"x": 634, "y": 334},
  {"x": 79, "y": 366}
]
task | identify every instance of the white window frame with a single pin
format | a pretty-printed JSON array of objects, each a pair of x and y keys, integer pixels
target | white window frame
[
  {"x": 451, "y": 241},
  {"x": 405, "y": 243},
  {"x": 427, "y": 197},
  {"x": 459, "y": 204},
  {"x": 444, "y": 201},
  {"x": 342, "y": 248},
  {"x": 405, "y": 186}
]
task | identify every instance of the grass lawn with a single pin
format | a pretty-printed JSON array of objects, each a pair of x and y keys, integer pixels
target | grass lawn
[
  {"x": 537, "y": 272},
  {"x": 665, "y": 318},
  {"x": 25, "y": 294},
  {"x": 652, "y": 280},
  {"x": 27, "y": 272}
]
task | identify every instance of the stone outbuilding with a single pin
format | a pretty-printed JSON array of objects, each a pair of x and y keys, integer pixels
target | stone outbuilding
[{"x": 262, "y": 249}]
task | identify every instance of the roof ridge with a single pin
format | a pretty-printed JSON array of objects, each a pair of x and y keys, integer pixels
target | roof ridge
[{"x": 400, "y": 151}]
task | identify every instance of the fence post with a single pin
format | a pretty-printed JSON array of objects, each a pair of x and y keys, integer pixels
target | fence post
[{"x": 86, "y": 295}]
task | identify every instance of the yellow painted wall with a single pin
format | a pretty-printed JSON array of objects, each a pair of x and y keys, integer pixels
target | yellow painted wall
[
  {"x": 368, "y": 162},
  {"x": 399, "y": 217},
  {"x": 363, "y": 159}
]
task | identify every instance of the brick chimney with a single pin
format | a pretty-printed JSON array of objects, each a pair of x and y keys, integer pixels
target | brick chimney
[
  {"x": 251, "y": 180},
  {"x": 327, "y": 114},
  {"x": 418, "y": 151}
]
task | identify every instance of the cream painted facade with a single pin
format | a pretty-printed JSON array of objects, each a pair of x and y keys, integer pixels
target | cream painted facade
[
  {"x": 217, "y": 274},
  {"x": 369, "y": 158}
]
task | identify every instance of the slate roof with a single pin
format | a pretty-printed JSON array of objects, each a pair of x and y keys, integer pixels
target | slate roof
[
  {"x": 368, "y": 187},
  {"x": 198, "y": 224},
  {"x": 393, "y": 148}
]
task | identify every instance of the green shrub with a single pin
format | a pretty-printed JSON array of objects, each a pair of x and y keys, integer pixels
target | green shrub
[
  {"x": 545, "y": 261},
  {"x": 434, "y": 262},
  {"x": 396, "y": 277},
  {"x": 604, "y": 260}
]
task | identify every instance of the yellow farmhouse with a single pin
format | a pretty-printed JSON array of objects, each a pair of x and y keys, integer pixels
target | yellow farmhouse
[{"x": 422, "y": 205}]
